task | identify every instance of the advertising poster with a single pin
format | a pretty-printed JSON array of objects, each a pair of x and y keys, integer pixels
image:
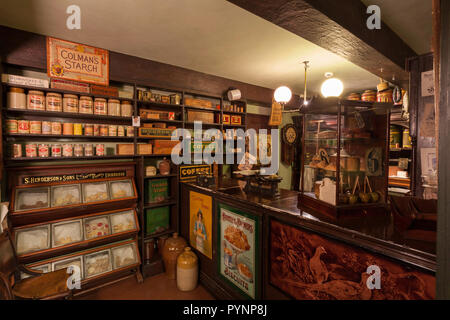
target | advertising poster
[
  {"x": 200, "y": 223},
  {"x": 74, "y": 61},
  {"x": 238, "y": 232}
]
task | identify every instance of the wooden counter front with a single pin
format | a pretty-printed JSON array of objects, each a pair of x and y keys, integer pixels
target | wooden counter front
[{"x": 291, "y": 239}]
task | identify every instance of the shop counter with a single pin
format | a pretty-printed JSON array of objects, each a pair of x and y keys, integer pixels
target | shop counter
[{"x": 259, "y": 248}]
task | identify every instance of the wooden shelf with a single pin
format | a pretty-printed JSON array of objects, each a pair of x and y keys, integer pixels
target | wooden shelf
[
  {"x": 159, "y": 176},
  {"x": 161, "y": 120},
  {"x": 170, "y": 202},
  {"x": 71, "y": 137},
  {"x": 66, "y": 91},
  {"x": 69, "y": 158},
  {"x": 234, "y": 112},
  {"x": 55, "y": 114}
]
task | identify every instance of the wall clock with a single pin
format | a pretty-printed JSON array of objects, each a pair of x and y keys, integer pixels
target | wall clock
[{"x": 289, "y": 134}]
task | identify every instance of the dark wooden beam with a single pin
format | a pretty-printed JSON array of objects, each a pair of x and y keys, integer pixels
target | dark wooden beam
[
  {"x": 443, "y": 223},
  {"x": 340, "y": 27},
  {"x": 29, "y": 50}
]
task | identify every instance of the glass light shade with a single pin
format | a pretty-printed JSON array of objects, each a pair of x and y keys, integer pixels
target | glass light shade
[
  {"x": 332, "y": 88},
  {"x": 283, "y": 94}
]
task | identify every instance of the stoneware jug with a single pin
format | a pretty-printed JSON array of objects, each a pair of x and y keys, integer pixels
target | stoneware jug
[
  {"x": 173, "y": 247},
  {"x": 187, "y": 270}
]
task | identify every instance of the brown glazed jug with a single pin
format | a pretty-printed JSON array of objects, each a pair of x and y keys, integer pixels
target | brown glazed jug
[
  {"x": 164, "y": 167},
  {"x": 187, "y": 270},
  {"x": 173, "y": 247}
]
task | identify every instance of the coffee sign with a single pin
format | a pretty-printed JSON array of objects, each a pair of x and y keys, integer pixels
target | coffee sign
[{"x": 73, "y": 61}]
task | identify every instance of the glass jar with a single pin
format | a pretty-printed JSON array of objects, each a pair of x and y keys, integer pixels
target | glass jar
[
  {"x": 35, "y": 127},
  {"x": 16, "y": 98},
  {"x": 99, "y": 149},
  {"x": 113, "y": 107},
  {"x": 53, "y": 102},
  {"x": 23, "y": 126},
  {"x": 56, "y": 150},
  {"x": 36, "y": 100},
  {"x": 46, "y": 127},
  {"x": 68, "y": 129},
  {"x": 86, "y": 105},
  {"x": 67, "y": 150},
  {"x": 70, "y": 103},
  {"x": 31, "y": 150},
  {"x": 88, "y": 150},
  {"x": 88, "y": 129},
  {"x": 11, "y": 126},
  {"x": 78, "y": 150},
  {"x": 100, "y": 106},
  {"x": 126, "y": 109},
  {"x": 56, "y": 128},
  {"x": 43, "y": 150}
]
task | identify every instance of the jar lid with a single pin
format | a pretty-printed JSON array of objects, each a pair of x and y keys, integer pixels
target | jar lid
[
  {"x": 126, "y": 102},
  {"x": 113, "y": 101},
  {"x": 36, "y": 92},
  {"x": 18, "y": 90},
  {"x": 68, "y": 95},
  {"x": 85, "y": 98},
  {"x": 53, "y": 94},
  {"x": 100, "y": 99}
]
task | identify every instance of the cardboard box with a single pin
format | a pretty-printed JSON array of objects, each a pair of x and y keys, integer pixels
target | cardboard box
[
  {"x": 199, "y": 103},
  {"x": 164, "y": 146},
  {"x": 105, "y": 91},
  {"x": 144, "y": 148},
  {"x": 236, "y": 120},
  {"x": 155, "y": 132},
  {"x": 24, "y": 81},
  {"x": 207, "y": 117},
  {"x": 125, "y": 149},
  {"x": 226, "y": 119},
  {"x": 69, "y": 85},
  {"x": 157, "y": 220}
]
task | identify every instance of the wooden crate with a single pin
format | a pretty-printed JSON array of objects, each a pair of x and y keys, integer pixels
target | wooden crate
[
  {"x": 199, "y": 103},
  {"x": 164, "y": 146},
  {"x": 207, "y": 117},
  {"x": 125, "y": 149},
  {"x": 144, "y": 148}
]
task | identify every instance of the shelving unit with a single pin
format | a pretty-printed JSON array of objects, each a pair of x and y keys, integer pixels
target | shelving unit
[{"x": 154, "y": 265}]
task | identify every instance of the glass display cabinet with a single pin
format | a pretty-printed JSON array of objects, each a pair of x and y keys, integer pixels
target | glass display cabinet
[{"x": 344, "y": 157}]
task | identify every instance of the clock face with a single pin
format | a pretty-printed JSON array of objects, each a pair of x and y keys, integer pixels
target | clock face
[{"x": 290, "y": 135}]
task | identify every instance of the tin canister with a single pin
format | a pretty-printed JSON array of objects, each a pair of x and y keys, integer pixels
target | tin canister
[
  {"x": 11, "y": 126},
  {"x": 23, "y": 126},
  {"x": 86, "y": 105},
  {"x": 114, "y": 107},
  {"x": 53, "y": 102},
  {"x": 56, "y": 150},
  {"x": 120, "y": 131},
  {"x": 67, "y": 150},
  {"x": 56, "y": 128},
  {"x": 70, "y": 103},
  {"x": 77, "y": 129},
  {"x": 35, "y": 127},
  {"x": 394, "y": 137},
  {"x": 99, "y": 149},
  {"x": 96, "y": 129},
  {"x": 78, "y": 150},
  {"x": 130, "y": 131},
  {"x": 406, "y": 139},
  {"x": 100, "y": 106},
  {"x": 68, "y": 129},
  {"x": 88, "y": 129},
  {"x": 126, "y": 109},
  {"x": 35, "y": 100},
  {"x": 43, "y": 150},
  {"x": 104, "y": 130},
  {"x": 112, "y": 130},
  {"x": 31, "y": 150},
  {"x": 88, "y": 150},
  {"x": 46, "y": 127},
  {"x": 16, "y": 150}
]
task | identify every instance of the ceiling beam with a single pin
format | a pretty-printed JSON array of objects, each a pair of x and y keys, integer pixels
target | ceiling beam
[{"x": 339, "y": 27}]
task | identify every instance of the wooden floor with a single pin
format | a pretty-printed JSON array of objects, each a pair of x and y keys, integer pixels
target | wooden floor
[{"x": 158, "y": 287}]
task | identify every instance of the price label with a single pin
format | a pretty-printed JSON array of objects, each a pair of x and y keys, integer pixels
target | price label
[{"x": 136, "y": 121}]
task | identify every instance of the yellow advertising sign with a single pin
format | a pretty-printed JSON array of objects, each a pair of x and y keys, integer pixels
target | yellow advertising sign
[
  {"x": 200, "y": 223},
  {"x": 73, "y": 61}
]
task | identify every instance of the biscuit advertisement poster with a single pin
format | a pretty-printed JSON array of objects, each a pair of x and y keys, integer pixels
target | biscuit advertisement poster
[{"x": 237, "y": 235}]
